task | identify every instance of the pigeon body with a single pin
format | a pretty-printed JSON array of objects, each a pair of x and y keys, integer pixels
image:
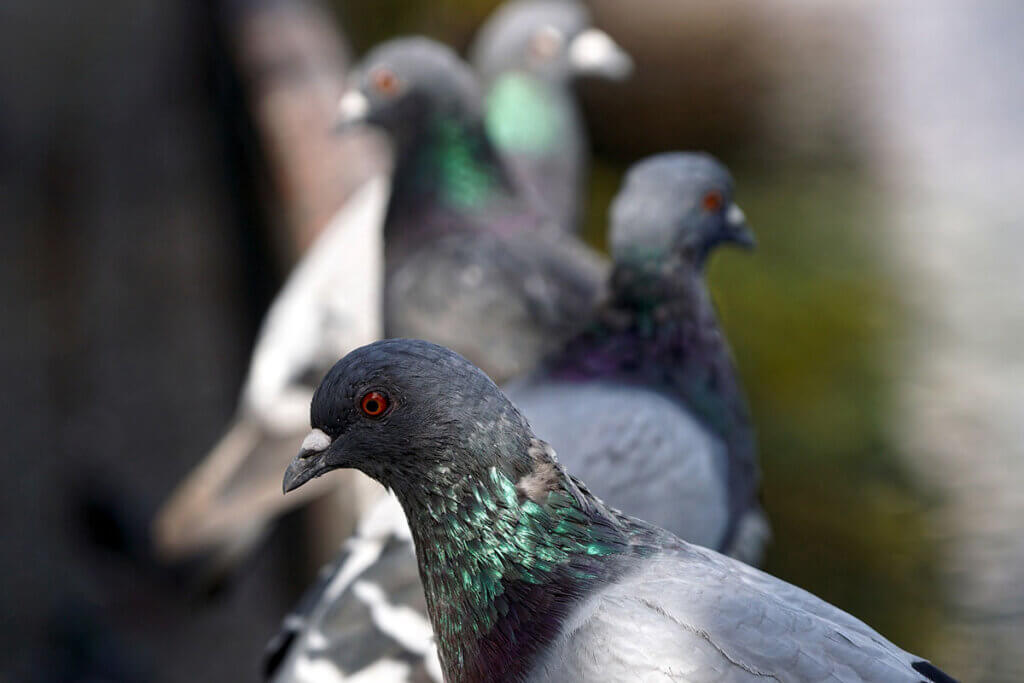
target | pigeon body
[
  {"x": 530, "y": 577},
  {"x": 644, "y": 403},
  {"x": 528, "y": 53}
]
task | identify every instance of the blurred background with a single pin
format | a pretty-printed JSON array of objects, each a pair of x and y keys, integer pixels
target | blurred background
[{"x": 163, "y": 163}]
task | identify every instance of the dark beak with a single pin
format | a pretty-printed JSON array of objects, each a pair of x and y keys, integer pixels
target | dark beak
[
  {"x": 737, "y": 231},
  {"x": 310, "y": 463}
]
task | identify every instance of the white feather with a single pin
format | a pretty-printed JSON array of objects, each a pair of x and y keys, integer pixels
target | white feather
[
  {"x": 330, "y": 304},
  {"x": 403, "y": 624}
]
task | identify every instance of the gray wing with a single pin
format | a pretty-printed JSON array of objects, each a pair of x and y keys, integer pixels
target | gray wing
[
  {"x": 365, "y": 619},
  {"x": 701, "y": 617},
  {"x": 503, "y": 301},
  {"x": 322, "y": 312},
  {"x": 637, "y": 450}
]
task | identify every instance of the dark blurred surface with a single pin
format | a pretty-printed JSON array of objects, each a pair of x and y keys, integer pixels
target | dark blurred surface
[
  {"x": 141, "y": 244},
  {"x": 133, "y": 282}
]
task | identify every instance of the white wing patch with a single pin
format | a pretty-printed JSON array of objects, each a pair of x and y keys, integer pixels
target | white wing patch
[
  {"x": 330, "y": 304},
  {"x": 403, "y": 624},
  {"x": 320, "y": 670}
]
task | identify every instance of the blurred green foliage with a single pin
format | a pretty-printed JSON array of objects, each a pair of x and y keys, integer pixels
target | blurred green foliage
[
  {"x": 368, "y": 22},
  {"x": 813, "y": 316}
]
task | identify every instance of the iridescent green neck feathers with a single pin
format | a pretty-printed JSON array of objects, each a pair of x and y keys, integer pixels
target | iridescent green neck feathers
[
  {"x": 504, "y": 559},
  {"x": 454, "y": 164}
]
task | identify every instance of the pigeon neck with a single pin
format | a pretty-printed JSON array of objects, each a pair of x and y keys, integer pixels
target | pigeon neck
[
  {"x": 662, "y": 332},
  {"x": 527, "y": 115},
  {"x": 659, "y": 328},
  {"x": 504, "y": 558},
  {"x": 663, "y": 289},
  {"x": 452, "y": 163}
]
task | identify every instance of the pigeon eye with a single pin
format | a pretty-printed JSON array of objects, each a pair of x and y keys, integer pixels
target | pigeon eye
[
  {"x": 546, "y": 43},
  {"x": 385, "y": 82},
  {"x": 712, "y": 201},
  {"x": 373, "y": 404}
]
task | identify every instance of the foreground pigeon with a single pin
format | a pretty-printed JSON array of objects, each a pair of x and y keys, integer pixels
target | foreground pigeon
[
  {"x": 530, "y": 577},
  {"x": 468, "y": 262},
  {"x": 644, "y": 404},
  {"x": 527, "y": 54}
]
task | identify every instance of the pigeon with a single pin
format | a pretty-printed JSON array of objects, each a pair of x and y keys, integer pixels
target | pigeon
[
  {"x": 528, "y": 576},
  {"x": 321, "y": 312},
  {"x": 471, "y": 262},
  {"x": 682, "y": 455},
  {"x": 527, "y": 55},
  {"x": 468, "y": 261}
]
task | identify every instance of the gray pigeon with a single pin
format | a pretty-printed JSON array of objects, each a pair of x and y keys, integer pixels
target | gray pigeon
[
  {"x": 682, "y": 453},
  {"x": 468, "y": 262},
  {"x": 530, "y": 577},
  {"x": 528, "y": 53}
]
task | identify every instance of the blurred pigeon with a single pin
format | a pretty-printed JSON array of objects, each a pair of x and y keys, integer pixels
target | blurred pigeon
[
  {"x": 468, "y": 262},
  {"x": 683, "y": 455},
  {"x": 530, "y": 577},
  {"x": 644, "y": 403},
  {"x": 527, "y": 55}
]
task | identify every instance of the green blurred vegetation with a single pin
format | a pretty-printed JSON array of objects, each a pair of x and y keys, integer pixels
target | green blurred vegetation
[{"x": 813, "y": 317}]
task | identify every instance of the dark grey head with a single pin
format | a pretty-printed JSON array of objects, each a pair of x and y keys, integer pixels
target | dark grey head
[
  {"x": 677, "y": 203},
  {"x": 404, "y": 84},
  {"x": 554, "y": 39},
  {"x": 399, "y": 409}
]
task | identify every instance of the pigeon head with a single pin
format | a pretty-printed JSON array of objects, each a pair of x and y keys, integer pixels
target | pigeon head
[
  {"x": 675, "y": 206},
  {"x": 405, "y": 84},
  {"x": 553, "y": 39},
  {"x": 400, "y": 410}
]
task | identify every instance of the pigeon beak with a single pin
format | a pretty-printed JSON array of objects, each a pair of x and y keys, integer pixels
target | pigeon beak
[
  {"x": 594, "y": 53},
  {"x": 310, "y": 463},
  {"x": 737, "y": 231},
  {"x": 353, "y": 109}
]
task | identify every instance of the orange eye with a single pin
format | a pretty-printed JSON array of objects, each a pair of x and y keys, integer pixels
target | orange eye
[
  {"x": 712, "y": 201},
  {"x": 384, "y": 81},
  {"x": 373, "y": 404}
]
